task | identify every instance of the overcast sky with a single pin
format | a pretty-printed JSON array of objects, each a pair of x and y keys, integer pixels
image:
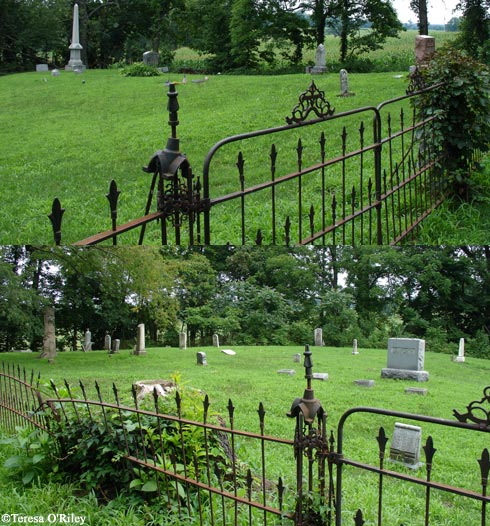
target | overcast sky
[{"x": 440, "y": 11}]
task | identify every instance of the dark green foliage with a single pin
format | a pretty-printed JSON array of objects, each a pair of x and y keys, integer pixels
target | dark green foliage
[
  {"x": 462, "y": 109},
  {"x": 138, "y": 69}
]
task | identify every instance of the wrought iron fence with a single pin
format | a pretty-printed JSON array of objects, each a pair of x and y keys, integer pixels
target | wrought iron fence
[
  {"x": 199, "y": 473},
  {"x": 373, "y": 182}
]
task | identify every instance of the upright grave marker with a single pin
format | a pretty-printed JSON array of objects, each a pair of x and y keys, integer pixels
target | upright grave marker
[
  {"x": 140, "y": 340},
  {"x": 406, "y": 360},
  {"x": 405, "y": 445}
]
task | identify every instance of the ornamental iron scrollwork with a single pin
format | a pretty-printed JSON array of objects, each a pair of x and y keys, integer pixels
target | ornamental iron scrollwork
[
  {"x": 477, "y": 413},
  {"x": 311, "y": 101}
]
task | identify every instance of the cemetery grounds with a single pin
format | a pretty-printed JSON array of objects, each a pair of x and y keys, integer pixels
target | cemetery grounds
[{"x": 251, "y": 377}]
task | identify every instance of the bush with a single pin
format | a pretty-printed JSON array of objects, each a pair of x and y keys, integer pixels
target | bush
[
  {"x": 138, "y": 69},
  {"x": 462, "y": 109}
]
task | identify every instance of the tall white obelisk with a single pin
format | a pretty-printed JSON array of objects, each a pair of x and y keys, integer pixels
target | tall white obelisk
[{"x": 75, "y": 63}]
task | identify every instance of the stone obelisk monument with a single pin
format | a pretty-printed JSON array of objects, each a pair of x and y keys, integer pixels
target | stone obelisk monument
[{"x": 75, "y": 63}]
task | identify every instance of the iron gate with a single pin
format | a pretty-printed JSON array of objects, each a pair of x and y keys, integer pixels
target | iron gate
[
  {"x": 372, "y": 182},
  {"x": 315, "y": 486}
]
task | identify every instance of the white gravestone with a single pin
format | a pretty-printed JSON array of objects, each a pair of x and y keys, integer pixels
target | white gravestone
[
  {"x": 405, "y": 445},
  {"x": 215, "y": 340},
  {"x": 297, "y": 358},
  {"x": 75, "y": 63},
  {"x": 406, "y": 360},
  {"x": 107, "y": 342},
  {"x": 115, "y": 346},
  {"x": 42, "y": 68},
  {"x": 182, "y": 340},
  {"x": 354, "y": 347},
  {"x": 460, "y": 357}
]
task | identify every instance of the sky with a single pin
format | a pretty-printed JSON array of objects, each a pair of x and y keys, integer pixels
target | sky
[{"x": 440, "y": 11}]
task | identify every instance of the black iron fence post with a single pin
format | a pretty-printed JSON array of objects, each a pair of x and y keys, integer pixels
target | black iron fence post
[{"x": 310, "y": 443}]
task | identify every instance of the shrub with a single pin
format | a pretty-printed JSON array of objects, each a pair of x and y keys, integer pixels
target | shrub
[
  {"x": 462, "y": 109},
  {"x": 138, "y": 69}
]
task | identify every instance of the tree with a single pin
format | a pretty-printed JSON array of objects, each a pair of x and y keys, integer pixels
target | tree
[
  {"x": 354, "y": 15},
  {"x": 419, "y": 7},
  {"x": 475, "y": 28},
  {"x": 244, "y": 33}
]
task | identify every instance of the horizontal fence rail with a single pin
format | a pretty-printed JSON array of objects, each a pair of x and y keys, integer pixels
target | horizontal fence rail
[
  {"x": 207, "y": 472},
  {"x": 365, "y": 176}
]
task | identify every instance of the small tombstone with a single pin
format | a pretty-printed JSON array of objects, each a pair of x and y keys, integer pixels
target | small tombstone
[
  {"x": 229, "y": 352},
  {"x": 151, "y": 58},
  {"x": 297, "y": 358},
  {"x": 107, "y": 342},
  {"x": 182, "y": 340},
  {"x": 87, "y": 341},
  {"x": 344, "y": 84},
  {"x": 289, "y": 372},
  {"x": 318, "y": 336},
  {"x": 416, "y": 390},
  {"x": 42, "y": 68},
  {"x": 115, "y": 346},
  {"x": 425, "y": 47},
  {"x": 320, "y": 376},
  {"x": 320, "y": 60},
  {"x": 364, "y": 383},
  {"x": 55, "y": 73},
  {"x": 406, "y": 360},
  {"x": 201, "y": 358},
  {"x": 354, "y": 347},
  {"x": 460, "y": 358},
  {"x": 405, "y": 445},
  {"x": 140, "y": 340},
  {"x": 215, "y": 340}
]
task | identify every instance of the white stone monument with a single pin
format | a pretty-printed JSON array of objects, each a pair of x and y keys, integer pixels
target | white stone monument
[
  {"x": 354, "y": 347},
  {"x": 87, "y": 341},
  {"x": 75, "y": 63},
  {"x": 320, "y": 60},
  {"x": 140, "y": 340},
  {"x": 182, "y": 340},
  {"x": 215, "y": 340},
  {"x": 460, "y": 357},
  {"x": 318, "y": 336},
  {"x": 405, "y": 445}
]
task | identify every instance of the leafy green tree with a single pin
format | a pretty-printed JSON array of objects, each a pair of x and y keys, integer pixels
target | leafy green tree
[
  {"x": 475, "y": 28},
  {"x": 419, "y": 7},
  {"x": 354, "y": 15},
  {"x": 244, "y": 33}
]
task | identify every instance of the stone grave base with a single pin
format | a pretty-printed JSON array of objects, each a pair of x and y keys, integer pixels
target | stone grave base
[
  {"x": 405, "y": 374},
  {"x": 145, "y": 387}
]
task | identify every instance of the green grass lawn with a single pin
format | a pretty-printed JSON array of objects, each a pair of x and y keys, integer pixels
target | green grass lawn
[{"x": 251, "y": 377}]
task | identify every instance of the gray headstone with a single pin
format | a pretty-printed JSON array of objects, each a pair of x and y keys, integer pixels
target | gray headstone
[
  {"x": 42, "y": 68},
  {"x": 416, "y": 390},
  {"x": 182, "y": 340},
  {"x": 289, "y": 372},
  {"x": 297, "y": 358},
  {"x": 107, "y": 342},
  {"x": 140, "y": 340},
  {"x": 344, "y": 84},
  {"x": 87, "y": 341},
  {"x": 115, "y": 346},
  {"x": 320, "y": 60},
  {"x": 75, "y": 63},
  {"x": 354, "y": 347},
  {"x": 151, "y": 58},
  {"x": 215, "y": 340},
  {"x": 406, "y": 360},
  {"x": 405, "y": 445},
  {"x": 364, "y": 383},
  {"x": 201, "y": 358},
  {"x": 55, "y": 73},
  {"x": 229, "y": 352},
  {"x": 320, "y": 376},
  {"x": 318, "y": 336},
  {"x": 49, "y": 339}
]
